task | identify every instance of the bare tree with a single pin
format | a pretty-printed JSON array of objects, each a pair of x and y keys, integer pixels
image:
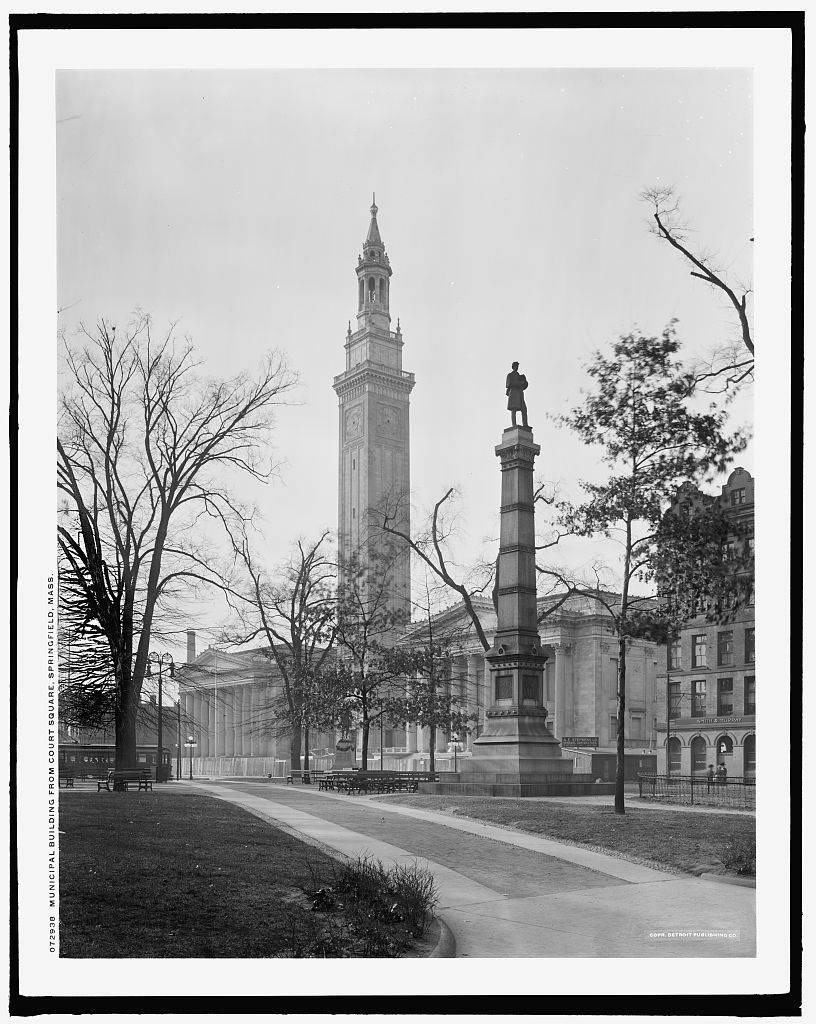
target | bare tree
[
  {"x": 424, "y": 687},
  {"x": 295, "y": 613},
  {"x": 144, "y": 456},
  {"x": 430, "y": 547},
  {"x": 728, "y": 366}
]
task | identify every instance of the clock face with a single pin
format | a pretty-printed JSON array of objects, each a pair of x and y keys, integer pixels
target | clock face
[
  {"x": 354, "y": 422},
  {"x": 389, "y": 420}
]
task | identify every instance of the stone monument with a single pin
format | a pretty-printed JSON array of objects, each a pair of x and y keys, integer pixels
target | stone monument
[
  {"x": 516, "y": 754},
  {"x": 344, "y": 748}
]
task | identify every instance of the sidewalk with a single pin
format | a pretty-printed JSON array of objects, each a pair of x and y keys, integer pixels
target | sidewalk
[{"x": 506, "y": 894}]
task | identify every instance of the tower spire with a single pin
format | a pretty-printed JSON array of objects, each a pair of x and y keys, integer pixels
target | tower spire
[{"x": 373, "y": 236}]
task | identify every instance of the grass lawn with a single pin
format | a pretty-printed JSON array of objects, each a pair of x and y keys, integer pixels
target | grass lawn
[
  {"x": 679, "y": 840},
  {"x": 148, "y": 875}
]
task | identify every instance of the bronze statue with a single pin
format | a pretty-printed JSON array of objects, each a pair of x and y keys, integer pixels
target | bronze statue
[{"x": 516, "y": 384}]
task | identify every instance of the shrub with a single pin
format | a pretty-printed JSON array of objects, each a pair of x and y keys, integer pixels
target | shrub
[
  {"x": 368, "y": 911},
  {"x": 738, "y": 854},
  {"x": 415, "y": 892}
]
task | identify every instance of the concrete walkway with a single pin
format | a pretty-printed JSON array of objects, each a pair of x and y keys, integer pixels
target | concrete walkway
[{"x": 508, "y": 894}]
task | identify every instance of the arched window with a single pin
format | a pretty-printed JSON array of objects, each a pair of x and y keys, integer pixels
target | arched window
[
  {"x": 749, "y": 757},
  {"x": 362, "y": 292},
  {"x": 674, "y": 756},
  {"x": 382, "y": 290},
  {"x": 725, "y": 748},
  {"x": 698, "y": 756},
  {"x": 372, "y": 290}
]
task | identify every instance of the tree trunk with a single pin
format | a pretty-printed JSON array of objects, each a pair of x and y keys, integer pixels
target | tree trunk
[
  {"x": 306, "y": 748},
  {"x": 294, "y": 750},
  {"x": 432, "y": 748},
  {"x": 364, "y": 753},
  {"x": 125, "y": 727},
  {"x": 621, "y": 710}
]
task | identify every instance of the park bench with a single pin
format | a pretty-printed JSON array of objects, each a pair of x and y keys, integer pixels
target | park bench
[
  {"x": 375, "y": 781},
  {"x": 127, "y": 776},
  {"x": 305, "y": 777},
  {"x": 68, "y": 779}
]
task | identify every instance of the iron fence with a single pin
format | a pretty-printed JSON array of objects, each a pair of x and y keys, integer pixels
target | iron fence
[{"x": 737, "y": 792}]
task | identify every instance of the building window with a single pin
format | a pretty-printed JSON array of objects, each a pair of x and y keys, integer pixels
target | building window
[
  {"x": 613, "y": 677},
  {"x": 675, "y": 655},
  {"x": 504, "y": 687},
  {"x": 698, "y": 698},
  {"x": 751, "y": 546},
  {"x": 699, "y": 651},
  {"x": 749, "y": 757},
  {"x": 725, "y": 748},
  {"x": 750, "y": 656},
  {"x": 674, "y": 698},
  {"x": 637, "y": 728},
  {"x": 674, "y": 756},
  {"x": 613, "y": 728},
  {"x": 750, "y": 695},
  {"x": 738, "y": 496},
  {"x": 751, "y": 597},
  {"x": 698, "y": 756},
  {"x": 725, "y": 696},
  {"x": 725, "y": 647}
]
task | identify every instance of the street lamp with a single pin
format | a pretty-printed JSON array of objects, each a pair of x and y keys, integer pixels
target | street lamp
[
  {"x": 454, "y": 742},
  {"x": 160, "y": 660},
  {"x": 190, "y": 744}
]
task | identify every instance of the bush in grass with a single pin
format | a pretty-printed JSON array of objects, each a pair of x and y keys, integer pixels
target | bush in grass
[
  {"x": 416, "y": 894},
  {"x": 382, "y": 909},
  {"x": 738, "y": 854}
]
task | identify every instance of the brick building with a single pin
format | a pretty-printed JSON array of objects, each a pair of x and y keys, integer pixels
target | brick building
[{"x": 708, "y": 681}]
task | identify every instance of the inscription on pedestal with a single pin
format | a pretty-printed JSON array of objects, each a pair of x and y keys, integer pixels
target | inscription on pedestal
[{"x": 504, "y": 687}]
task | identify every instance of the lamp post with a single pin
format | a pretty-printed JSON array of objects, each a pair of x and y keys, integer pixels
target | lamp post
[
  {"x": 190, "y": 744},
  {"x": 178, "y": 736},
  {"x": 160, "y": 660},
  {"x": 454, "y": 742}
]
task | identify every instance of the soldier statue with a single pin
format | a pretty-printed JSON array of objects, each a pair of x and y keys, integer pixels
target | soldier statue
[{"x": 516, "y": 385}]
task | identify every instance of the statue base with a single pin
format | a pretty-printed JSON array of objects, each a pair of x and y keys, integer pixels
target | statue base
[
  {"x": 344, "y": 755},
  {"x": 517, "y": 756}
]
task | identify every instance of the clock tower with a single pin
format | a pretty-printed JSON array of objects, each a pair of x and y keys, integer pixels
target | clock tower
[{"x": 373, "y": 393}]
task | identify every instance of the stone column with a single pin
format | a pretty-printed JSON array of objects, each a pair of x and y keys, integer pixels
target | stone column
[
  {"x": 475, "y": 662},
  {"x": 220, "y": 700},
  {"x": 211, "y": 722},
  {"x": 229, "y": 721},
  {"x": 204, "y": 719},
  {"x": 195, "y": 721},
  {"x": 252, "y": 731},
  {"x": 239, "y": 721},
  {"x": 516, "y": 740},
  {"x": 411, "y": 737},
  {"x": 560, "y": 728},
  {"x": 262, "y": 723}
]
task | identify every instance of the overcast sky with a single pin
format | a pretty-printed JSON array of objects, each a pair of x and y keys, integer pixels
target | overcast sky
[{"x": 236, "y": 202}]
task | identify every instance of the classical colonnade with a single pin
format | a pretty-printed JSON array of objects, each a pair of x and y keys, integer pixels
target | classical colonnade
[{"x": 230, "y": 721}]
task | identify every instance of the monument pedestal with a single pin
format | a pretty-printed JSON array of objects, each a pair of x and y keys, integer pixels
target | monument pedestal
[{"x": 343, "y": 755}]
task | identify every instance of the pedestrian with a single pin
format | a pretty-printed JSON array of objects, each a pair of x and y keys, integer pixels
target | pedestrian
[
  {"x": 722, "y": 775},
  {"x": 710, "y": 778}
]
